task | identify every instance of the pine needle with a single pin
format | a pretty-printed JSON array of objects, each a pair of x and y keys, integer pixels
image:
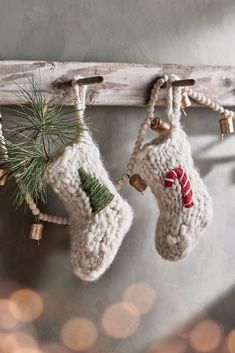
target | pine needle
[{"x": 39, "y": 129}]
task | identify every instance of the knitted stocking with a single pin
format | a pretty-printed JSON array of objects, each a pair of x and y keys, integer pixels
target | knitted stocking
[
  {"x": 99, "y": 216},
  {"x": 167, "y": 167}
]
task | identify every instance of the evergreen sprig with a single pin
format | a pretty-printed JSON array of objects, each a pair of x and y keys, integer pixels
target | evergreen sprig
[
  {"x": 28, "y": 166},
  {"x": 38, "y": 131}
]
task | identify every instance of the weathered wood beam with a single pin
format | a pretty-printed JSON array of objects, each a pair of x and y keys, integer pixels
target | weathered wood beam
[{"x": 124, "y": 84}]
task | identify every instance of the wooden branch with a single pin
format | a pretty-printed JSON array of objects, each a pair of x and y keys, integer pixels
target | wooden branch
[{"x": 123, "y": 85}]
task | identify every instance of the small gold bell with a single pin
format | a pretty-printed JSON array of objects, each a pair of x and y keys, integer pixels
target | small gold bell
[
  {"x": 3, "y": 177},
  {"x": 137, "y": 182},
  {"x": 159, "y": 125},
  {"x": 36, "y": 231},
  {"x": 186, "y": 102},
  {"x": 226, "y": 125}
]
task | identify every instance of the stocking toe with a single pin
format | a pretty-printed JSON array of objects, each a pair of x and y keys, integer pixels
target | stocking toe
[{"x": 94, "y": 251}]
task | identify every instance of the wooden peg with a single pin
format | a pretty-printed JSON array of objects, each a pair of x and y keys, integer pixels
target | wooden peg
[
  {"x": 62, "y": 84},
  {"x": 90, "y": 80},
  {"x": 180, "y": 83}
]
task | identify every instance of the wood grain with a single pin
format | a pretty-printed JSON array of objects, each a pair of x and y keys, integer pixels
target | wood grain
[{"x": 124, "y": 84}]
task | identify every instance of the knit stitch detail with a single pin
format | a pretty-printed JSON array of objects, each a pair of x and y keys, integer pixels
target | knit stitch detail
[
  {"x": 99, "y": 194},
  {"x": 95, "y": 238},
  {"x": 184, "y": 181}
]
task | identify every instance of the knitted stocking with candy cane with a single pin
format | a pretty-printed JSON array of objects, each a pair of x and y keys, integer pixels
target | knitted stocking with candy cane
[
  {"x": 99, "y": 216},
  {"x": 167, "y": 167}
]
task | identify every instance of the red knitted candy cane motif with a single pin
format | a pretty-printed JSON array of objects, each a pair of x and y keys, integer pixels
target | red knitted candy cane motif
[{"x": 180, "y": 174}]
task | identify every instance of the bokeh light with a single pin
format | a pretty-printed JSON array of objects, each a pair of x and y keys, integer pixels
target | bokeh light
[
  {"x": 19, "y": 342},
  {"x": 205, "y": 336},
  {"x": 142, "y": 295},
  {"x": 27, "y": 305},
  {"x": 175, "y": 345},
  {"x": 26, "y": 350},
  {"x": 231, "y": 342},
  {"x": 53, "y": 348},
  {"x": 121, "y": 320},
  {"x": 2, "y": 338},
  {"x": 7, "y": 320},
  {"x": 79, "y": 334}
]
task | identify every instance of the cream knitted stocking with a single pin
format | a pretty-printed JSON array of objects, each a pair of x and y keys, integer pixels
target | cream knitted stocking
[
  {"x": 167, "y": 167},
  {"x": 99, "y": 216}
]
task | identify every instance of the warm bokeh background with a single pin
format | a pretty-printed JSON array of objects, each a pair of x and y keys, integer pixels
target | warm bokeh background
[{"x": 143, "y": 303}]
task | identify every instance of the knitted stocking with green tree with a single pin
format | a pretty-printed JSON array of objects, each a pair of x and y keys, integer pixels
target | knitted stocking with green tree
[{"x": 99, "y": 216}]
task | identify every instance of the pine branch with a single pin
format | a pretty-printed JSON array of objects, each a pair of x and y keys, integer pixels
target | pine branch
[
  {"x": 36, "y": 133},
  {"x": 27, "y": 165}
]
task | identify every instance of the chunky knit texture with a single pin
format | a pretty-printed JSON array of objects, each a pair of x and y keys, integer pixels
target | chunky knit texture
[
  {"x": 95, "y": 236},
  {"x": 178, "y": 226}
]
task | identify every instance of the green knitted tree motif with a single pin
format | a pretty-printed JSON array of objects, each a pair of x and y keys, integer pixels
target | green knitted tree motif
[{"x": 99, "y": 194}]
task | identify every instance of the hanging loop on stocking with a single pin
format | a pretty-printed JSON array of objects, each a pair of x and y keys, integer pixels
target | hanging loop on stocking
[
  {"x": 80, "y": 103},
  {"x": 135, "y": 180},
  {"x": 174, "y": 99}
]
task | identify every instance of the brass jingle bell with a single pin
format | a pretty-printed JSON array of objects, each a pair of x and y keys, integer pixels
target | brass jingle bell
[
  {"x": 159, "y": 125},
  {"x": 226, "y": 125},
  {"x": 137, "y": 182},
  {"x": 185, "y": 102},
  {"x": 3, "y": 177},
  {"x": 36, "y": 231}
]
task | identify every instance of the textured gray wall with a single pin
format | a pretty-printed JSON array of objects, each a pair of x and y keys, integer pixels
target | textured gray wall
[{"x": 189, "y": 305}]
